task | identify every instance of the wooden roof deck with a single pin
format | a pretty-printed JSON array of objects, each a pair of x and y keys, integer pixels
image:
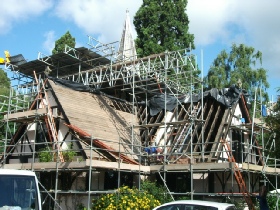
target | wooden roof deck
[{"x": 92, "y": 114}]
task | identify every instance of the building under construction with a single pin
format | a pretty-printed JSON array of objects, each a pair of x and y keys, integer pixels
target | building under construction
[{"x": 89, "y": 120}]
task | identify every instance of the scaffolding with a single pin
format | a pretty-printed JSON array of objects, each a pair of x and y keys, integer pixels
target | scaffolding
[{"x": 192, "y": 141}]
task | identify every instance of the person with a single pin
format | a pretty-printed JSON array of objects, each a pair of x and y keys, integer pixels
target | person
[{"x": 262, "y": 198}]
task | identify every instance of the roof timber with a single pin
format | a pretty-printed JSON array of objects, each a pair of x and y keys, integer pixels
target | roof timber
[
  {"x": 216, "y": 125},
  {"x": 223, "y": 128},
  {"x": 209, "y": 122},
  {"x": 26, "y": 116}
]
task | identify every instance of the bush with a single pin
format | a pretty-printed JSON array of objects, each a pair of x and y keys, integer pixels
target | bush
[
  {"x": 69, "y": 155},
  {"x": 272, "y": 201},
  {"x": 159, "y": 192},
  {"x": 127, "y": 199},
  {"x": 45, "y": 155}
]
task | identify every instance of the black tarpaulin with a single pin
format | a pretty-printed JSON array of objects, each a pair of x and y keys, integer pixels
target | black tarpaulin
[
  {"x": 226, "y": 96},
  {"x": 72, "y": 85}
]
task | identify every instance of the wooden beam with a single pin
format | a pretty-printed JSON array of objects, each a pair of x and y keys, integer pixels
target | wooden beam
[{"x": 29, "y": 115}]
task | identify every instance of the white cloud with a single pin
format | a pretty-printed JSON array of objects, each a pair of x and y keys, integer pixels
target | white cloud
[
  {"x": 261, "y": 22},
  {"x": 252, "y": 22},
  {"x": 98, "y": 18},
  {"x": 16, "y": 11},
  {"x": 208, "y": 20},
  {"x": 49, "y": 42}
]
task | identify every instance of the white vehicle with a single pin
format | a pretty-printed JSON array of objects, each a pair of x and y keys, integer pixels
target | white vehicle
[
  {"x": 195, "y": 205},
  {"x": 19, "y": 190}
]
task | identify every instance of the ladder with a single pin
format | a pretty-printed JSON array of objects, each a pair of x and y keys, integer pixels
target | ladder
[
  {"x": 51, "y": 126},
  {"x": 50, "y": 120},
  {"x": 238, "y": 176}
]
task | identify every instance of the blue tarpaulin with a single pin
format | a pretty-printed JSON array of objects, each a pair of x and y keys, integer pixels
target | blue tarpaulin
[{"x": 264, "y": 114}]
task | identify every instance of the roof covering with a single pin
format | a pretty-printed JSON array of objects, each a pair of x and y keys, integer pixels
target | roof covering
[
  {"x": 63, "y": 64},
  {"x": 95, "y": 115},
  {"x": 17, "y": 59}
]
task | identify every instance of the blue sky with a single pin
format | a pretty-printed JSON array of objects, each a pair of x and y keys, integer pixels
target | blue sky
[{"x": 32, "y": 26}]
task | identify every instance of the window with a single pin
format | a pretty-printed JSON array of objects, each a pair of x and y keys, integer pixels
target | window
[
  {"x": 231, "y": 208},
  {"x": 199, "y": 207},
  {"x": 18, "y": 191},
  {"x": 173, "y": 207}
]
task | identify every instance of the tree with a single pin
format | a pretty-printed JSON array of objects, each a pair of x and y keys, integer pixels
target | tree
[
  {"x": 238, "y": 67},
  {"x": 271, "y": 147},
  {"x": 66, "y": 39},
  {"x": 159, "y": 192},
  {"x": 273, "y": 122},
  {"x": 4, "y": 96},
  {"x": 4, "y": 83},
  {"x": 162, "y": 25}
]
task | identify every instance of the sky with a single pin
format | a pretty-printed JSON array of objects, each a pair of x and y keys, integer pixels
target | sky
[{"x": 32, "y": 26}]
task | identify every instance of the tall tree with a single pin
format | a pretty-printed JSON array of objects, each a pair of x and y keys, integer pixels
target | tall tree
[
  {"x": 273, "y": 122},
  {"x": 4, "y": 96},
  {"x": 162, "y": 25},
  {"x": 4, "y": 83},
  {"x": 239, "y": 67},
  {"x": 66, "y": 39}
]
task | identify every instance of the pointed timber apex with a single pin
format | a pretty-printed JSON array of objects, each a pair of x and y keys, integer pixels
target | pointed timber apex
[{"x": 127, "y": 50}]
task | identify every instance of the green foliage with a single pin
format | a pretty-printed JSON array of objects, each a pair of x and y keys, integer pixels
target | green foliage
[
  {"x": 45, "y": 154},
  {"x": 159, "y": 192},
  {"x": 69, "y": 155},
  {"x": 125, "y": 199},
  {"x": 272, "y": 201},
  {"x": 161, "y": 26},
  {"x": 238, "y": 67},
  {"x": 5, "y": 83},
  {"x": 81, "y": 206},
  {"x": 66, "y": 39},
  {"x": 273, "y": 122}
]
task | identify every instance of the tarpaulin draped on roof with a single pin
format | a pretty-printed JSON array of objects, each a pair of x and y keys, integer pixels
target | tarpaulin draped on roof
[{"x": 226, "y": 96}]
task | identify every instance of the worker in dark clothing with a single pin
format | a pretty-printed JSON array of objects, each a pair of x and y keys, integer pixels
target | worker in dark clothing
[{"x": 262, "y": 198}]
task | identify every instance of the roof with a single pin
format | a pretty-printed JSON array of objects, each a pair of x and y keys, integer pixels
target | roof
[
  {"x": 95, "y": 115},
  {"x": 63, "y": 64}
]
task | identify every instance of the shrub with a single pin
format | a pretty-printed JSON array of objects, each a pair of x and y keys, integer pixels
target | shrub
[
  {"x": 126, "y": 198},
  {"x": 272, "y": 201},
  {"x": 159, "y": 192},
  {"x": 45, "y": 155},
  {"x": 69, "y": 155}
]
